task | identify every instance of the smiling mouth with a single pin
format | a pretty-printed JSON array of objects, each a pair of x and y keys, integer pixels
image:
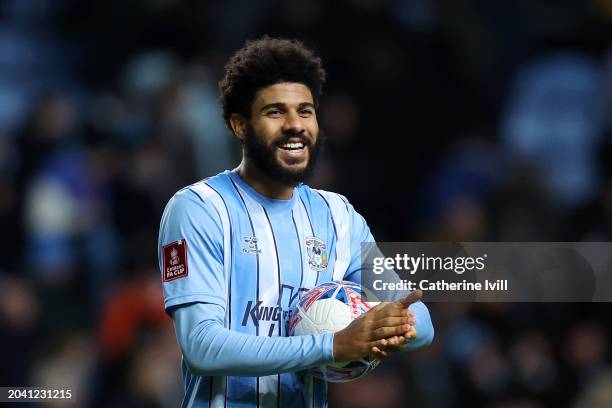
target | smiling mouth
[{"x": 292, "y": 146}]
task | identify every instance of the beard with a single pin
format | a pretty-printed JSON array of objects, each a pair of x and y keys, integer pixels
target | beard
[{"x": 264, "y": 157}]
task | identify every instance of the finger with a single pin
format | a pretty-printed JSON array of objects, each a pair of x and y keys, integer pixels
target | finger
[
  {"x": 390, "y": 309},
  {"x": 379, "y": 354},
  {"x": 387, "y": 348},
  {"x": 379, "y": 344},
  {"x": 411, "y": 334},
  {"x": 389, "y": 344},
  {"x": 386, "y": 332},
  {"x": 391, "y": 322},
  {"x": 396, "y": 341},
  {"x": 393, "y": 341},
  {"x": 410, "y": 299},
  {"x": 395, "y": 344},
  {"x": 399, "y": 307},
  {"x": 401, "y": 341}
]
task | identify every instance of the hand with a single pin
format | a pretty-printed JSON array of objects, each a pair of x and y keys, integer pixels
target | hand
[
  {"x": 394, "y": 344},
  {"x": 374, "y": 329}
]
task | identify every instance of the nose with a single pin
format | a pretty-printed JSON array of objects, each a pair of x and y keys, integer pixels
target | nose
[{"x": 293, "y": 123}]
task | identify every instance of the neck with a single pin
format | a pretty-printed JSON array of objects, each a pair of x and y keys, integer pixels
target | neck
[{"x": 263, "y": 184}]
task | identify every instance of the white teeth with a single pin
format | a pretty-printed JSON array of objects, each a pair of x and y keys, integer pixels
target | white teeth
[{"x": 293, "y": 145}]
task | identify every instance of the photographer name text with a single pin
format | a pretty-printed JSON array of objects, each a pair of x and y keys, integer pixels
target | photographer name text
[{"x": 499, "y": 285}]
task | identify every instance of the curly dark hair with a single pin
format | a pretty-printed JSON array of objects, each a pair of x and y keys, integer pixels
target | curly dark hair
[{"x": 263, "y": 62}]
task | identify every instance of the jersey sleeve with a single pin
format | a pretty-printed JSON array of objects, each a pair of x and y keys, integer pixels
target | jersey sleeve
[
  {"x": 360, "y": 233},
  {"x": 211, "y": 349},
  {"x": 190, "y": 252}
]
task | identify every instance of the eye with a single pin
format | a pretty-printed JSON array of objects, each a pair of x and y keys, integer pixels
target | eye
[
  {"x": 274, "y": 113},
  {"x": 306, "y": 112}
]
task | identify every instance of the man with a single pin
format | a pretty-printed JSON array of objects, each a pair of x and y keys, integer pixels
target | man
[{"x": 238, "y": 249}]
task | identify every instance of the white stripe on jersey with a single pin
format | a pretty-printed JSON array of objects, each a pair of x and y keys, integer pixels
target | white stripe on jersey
[
  {"x": 196, "y": 386},
  {"x": 309, "y": 279},
  {"x": 209, "y": 194},
  {"x": 340, "y": 217}
]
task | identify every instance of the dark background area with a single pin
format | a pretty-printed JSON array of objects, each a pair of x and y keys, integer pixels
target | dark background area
[{"x": 447, "y": 120}]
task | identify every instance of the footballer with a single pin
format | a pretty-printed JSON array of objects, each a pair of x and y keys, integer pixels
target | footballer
[{"x": 238, "y": 249}]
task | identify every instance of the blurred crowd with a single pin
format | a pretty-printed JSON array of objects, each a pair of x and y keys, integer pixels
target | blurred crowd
[{"x": 446, "y": 120}]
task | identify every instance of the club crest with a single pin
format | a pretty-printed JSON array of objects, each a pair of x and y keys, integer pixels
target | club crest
[
  {"x": 251, "y": 246},
  {"x": 317, "y": 253}
]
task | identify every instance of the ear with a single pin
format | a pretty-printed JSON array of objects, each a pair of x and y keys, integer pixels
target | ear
[{"x": 238, "y": 124}]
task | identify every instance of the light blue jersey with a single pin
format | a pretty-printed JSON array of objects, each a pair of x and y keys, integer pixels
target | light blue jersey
[{"x": 233, "y": 263}]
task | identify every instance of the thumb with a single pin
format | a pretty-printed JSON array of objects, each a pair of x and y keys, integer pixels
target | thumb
[{"x": 411, "y": 298}]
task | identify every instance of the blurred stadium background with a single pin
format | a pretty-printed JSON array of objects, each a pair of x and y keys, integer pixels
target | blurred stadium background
[{"x": 464, "y": 120}]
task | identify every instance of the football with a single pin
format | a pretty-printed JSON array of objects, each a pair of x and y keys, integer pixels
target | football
[{"x": 328, "y": 308}]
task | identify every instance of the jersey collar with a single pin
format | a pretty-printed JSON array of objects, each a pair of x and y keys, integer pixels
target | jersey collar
[{"x": 271, "y": 204}]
